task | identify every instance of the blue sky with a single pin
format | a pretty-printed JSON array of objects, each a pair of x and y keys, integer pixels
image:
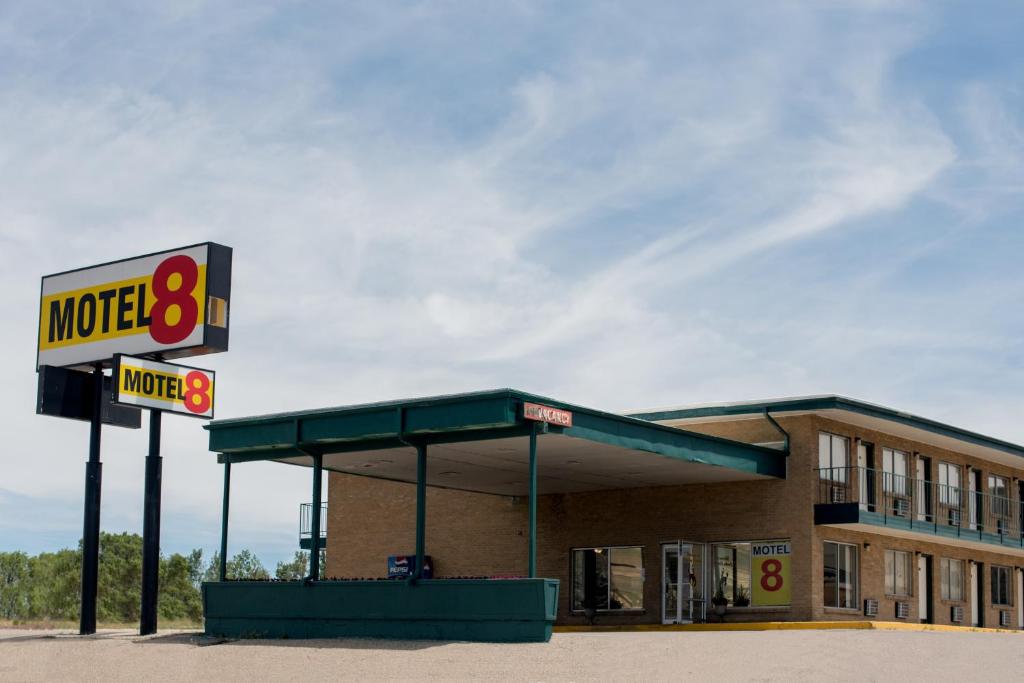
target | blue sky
[{"x": 622, "y": 205}]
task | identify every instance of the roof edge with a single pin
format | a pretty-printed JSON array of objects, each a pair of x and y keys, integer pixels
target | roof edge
[{"x": 831, "y": 402}]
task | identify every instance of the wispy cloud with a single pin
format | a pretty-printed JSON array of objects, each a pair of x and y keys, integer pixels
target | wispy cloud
[{"x": 617, "y": 206}]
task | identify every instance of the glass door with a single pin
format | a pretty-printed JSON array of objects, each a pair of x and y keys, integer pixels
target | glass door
[
  {"x": 682, "y": 583},
  {"x": 670, "y": 612}
]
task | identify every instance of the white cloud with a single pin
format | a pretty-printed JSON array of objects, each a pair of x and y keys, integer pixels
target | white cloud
[{"x": 658, "y": 207}]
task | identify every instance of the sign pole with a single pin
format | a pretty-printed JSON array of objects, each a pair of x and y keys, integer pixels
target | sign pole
[
  {"x": 151, "y": 528},
  {"x": 91, "y": 517}
]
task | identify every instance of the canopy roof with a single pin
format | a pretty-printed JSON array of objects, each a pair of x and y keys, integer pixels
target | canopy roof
[{"x": 479, "y": 442}]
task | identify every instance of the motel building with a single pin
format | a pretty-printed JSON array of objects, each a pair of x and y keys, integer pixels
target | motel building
[{"x": 504, "y": 513}]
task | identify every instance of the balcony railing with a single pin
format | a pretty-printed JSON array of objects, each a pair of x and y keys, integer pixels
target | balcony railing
[
  {"x": 306, "y": 521},
  {"x": 918, "y": 503}
]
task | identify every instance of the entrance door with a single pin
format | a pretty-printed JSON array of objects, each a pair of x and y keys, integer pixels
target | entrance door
[
  {"x": 924, "y": 588},
  {"x": 922, "y": 493},
  {"x": 670, "y": 581},
  {"x": 1020, "y": 598},
  {"x": 975, "y": 612},
  {"x": 682, "y": 584}
]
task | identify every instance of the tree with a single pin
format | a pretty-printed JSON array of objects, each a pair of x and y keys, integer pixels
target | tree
[
  {"x": 54, "y": 585},
  {"x": 244, "y": 566},
  {"x": 15, "y": 578},
  {"x": 179, "y": 596},
  {"x": 120, "y": 579},
  {"x": 294, "y": 570}
]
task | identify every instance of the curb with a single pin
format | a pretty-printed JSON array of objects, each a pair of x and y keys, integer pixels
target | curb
[{"x": 778, "y": 626}]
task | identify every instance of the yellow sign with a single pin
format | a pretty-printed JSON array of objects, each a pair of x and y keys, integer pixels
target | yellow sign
[
  {"x": 164, "y": 386},
  {"x": 769, "y": 564}
]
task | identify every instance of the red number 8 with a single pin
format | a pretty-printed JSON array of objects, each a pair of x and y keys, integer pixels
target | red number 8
[
  {"x": 159, "y": 329},
  {"x": 771, "y": 579},
  {"x": 197, "y": 392}
]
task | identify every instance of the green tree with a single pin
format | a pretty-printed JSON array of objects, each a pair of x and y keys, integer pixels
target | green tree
[
  {"x": 179, "y": 596},
  {"x": 243, "y": 566},
  {"x": 294, "y": 570},
  {"x": 120, "y": 579},
  {"x": 15, "y": 581},
  {"x": 55, "y": 581}
]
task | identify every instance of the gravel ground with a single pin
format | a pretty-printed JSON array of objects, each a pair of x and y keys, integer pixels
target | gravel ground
[{"x": 736, "y": 656}]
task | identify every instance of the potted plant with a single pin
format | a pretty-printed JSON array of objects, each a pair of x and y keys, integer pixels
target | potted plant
[
  {"x": 719, "y": 601},
  {"x": 742, "y": 597}
]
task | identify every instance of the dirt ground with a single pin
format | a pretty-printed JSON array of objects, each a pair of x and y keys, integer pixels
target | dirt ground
[{"x": 737, "y": 656}]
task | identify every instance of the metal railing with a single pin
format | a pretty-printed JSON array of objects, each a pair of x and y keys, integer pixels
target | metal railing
[
  {"x": 306, "y": 520},
  {"x": 923, "y": 503}
]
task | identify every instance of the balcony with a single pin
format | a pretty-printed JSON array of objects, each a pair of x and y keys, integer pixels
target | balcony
[
  {"x": 306, "y": 526},
  {"x": 861, "y": 496}
]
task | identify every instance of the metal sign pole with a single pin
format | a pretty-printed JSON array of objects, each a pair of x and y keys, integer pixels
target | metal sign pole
[
  {"x": 91, "y": 517},
  {"x": 151, "y": 529}
]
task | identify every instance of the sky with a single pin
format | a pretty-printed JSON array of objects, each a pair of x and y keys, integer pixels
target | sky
[{"x": 621, "y": 205}]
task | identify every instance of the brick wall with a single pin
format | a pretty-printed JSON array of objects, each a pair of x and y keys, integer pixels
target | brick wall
[{"x": 471, "y": 534}]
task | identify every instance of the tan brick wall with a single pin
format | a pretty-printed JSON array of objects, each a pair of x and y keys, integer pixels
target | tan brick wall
[{"x": 475, "y": 534}]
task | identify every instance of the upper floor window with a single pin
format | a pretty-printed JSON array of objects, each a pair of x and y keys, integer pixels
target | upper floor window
[
  {"x": 894, "y": 471},
  {"x": 1002, "y": 593},
  {"x": 897, "y": 573},
  {"x": 999, "y": 489},
  {"x": 949, "y": 484},
  {"x": 833, "y": 456}
]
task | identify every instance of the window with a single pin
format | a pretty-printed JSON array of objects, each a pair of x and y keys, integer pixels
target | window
[
  {"x": 732, "y": 572},
  {"x": 840, "y": 575},
  {"x": 833, "y": 456},
  {"x": 949, "y": 484},
  {"x": 952, "y": 579},
  {"x": 1002, "y": 593},
  {"x": 608, "y": 578},
  {"x": 897, "y": 573},
  {"x": 894, "y": 469},
  {"x": 1000, "y": 492}
]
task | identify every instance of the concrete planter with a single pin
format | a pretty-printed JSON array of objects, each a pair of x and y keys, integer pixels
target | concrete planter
[{"x": 509, "y": 610}]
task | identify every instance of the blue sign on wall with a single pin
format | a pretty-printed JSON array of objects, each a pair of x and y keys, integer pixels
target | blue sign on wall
[{"x": 403, "y": 566}]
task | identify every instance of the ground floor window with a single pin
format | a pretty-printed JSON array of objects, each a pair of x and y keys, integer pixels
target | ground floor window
[
  {"x": 732, "y": 572},
  {"x": 840, "y": 575},
  {"x": 897, "y": 573},
  {"x": 1002, "y": 591},
  {"x": 608, "y": 578},
  {"x": 952, "y": 579}
]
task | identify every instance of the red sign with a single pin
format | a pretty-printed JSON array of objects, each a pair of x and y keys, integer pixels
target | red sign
[{"x": 555, "y": 416}]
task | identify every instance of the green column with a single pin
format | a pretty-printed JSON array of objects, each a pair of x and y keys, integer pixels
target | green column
[
  {"x": 314, "y": 545},
  {"x": 421, "y": 507},
  {"x": 224, "y": 522},
  {"x": 533, "y": 502}
]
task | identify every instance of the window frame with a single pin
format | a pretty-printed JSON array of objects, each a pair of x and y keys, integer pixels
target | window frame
[
  {"x": 713, "y": 574},
  {"x": 999, "y": 503},
  {"x": 994, "y": 585},
  {"x": 946, "y": 579},
  {"x": 854, "y": 575},
  {"x": 891, "y": 589},
  {"x": 949, "y": 495},
  {"x": 889, "y": 473},
  {"x": 608, "y": 549},
  {"x": 829, "y": 472}
]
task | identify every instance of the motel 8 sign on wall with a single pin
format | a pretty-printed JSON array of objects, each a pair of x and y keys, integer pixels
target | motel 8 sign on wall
[{"x": 172, "y": 303}]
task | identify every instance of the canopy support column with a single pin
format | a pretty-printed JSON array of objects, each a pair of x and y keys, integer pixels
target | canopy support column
[
  {"x": 532, "y": 563},
  {"x": 314, "y": 545},
  {"x": 421, "y": 507},
  {"x": 224, "y": 522}
]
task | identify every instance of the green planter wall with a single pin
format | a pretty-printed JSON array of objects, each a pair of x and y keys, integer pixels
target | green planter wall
[{"x": 507, "y": 610}]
